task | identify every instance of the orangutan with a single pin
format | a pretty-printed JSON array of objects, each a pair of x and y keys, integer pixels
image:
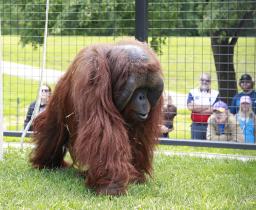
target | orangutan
[{"x": 106, "y": 111}]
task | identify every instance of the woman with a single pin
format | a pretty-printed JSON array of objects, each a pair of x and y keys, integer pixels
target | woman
[
  {"x": 46, "y": 93},
  {"x": 247, "y": 119}
]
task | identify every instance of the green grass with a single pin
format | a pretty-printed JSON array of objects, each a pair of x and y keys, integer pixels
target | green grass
[
  {"x": 177, "y": 183},
  {"x": 60, "y": 50},
  {"x": 189, "y": 149},
  {"x": 25, "y": 91},
  {"x": 183, "y": 58},
  {"x": 9, "y": 139}
]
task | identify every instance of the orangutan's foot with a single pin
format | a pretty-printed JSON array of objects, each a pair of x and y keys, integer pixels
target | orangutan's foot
[
  {"x": 65, "y": 164},
  {"x": 138, "y": 179},
  {"x": 112, "y": 189}
]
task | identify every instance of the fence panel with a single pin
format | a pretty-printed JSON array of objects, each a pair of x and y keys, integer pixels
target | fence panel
[{"x": 215, "y": 39}]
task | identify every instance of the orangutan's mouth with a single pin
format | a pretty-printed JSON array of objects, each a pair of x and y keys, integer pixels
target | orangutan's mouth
[{"x": 142, "y": 116}]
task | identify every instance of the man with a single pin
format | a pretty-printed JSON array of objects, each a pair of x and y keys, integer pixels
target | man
[
  {"x": 223, "y": 126},
  {"x": 247, "y": 84},
  {"x": 199, "y": 102},
  {"x": 45, "y": 95}
]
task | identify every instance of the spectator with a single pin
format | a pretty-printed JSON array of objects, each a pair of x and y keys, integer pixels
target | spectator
[
  {"x": 247, "y": 119},
  {"x": 199, "y": 102},
  {"x": 46, "y": 92},
  {"x": 247, "y": 84},
  {"x": 222, "y": 125},
  {"x": 170, "y": 111}
]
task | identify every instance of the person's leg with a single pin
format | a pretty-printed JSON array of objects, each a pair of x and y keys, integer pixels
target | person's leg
[
  {"x": 198, "y": 131},
  {"x": 194, "y": 130},
  {"x": 203, "y": 131}
]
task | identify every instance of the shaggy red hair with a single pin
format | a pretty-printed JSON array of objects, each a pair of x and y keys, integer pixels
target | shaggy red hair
[{"x": 82, "y": 117}]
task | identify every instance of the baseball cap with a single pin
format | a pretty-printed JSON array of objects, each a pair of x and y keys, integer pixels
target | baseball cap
[
  {"x": 246, "y": 77},
  {"x": 245, "y": 99},
  {"x": 220, "y": 106}
]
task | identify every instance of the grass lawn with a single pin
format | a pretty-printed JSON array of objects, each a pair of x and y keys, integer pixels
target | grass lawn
[
  {"x": 189, "y": 149},
  {"x": 18, "y": 94},
  {"x": 178, "y": 183},
  {"x": 183, "y": 58}
]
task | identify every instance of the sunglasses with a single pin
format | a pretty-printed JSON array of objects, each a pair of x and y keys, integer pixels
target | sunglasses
[
  {"x": 46, "y": 90},
  {"x": 205, "y": 80}
]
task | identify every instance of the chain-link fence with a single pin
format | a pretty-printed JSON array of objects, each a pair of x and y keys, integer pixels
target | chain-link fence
[{"x": 205, "y": 47}]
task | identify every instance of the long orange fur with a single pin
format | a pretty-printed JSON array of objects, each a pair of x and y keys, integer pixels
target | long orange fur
[{"x": 81, "y": 117}]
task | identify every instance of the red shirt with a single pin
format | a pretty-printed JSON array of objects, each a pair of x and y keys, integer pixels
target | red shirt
[{"x": 199, "y": 118}]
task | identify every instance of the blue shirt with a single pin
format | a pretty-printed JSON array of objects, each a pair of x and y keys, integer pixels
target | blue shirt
[
  {"x": 234, "y": 108},
  {"x": 247, "y": 127},
  {"x": 221, "y": 128}
]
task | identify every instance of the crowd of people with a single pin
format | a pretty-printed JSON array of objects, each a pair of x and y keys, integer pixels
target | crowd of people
[{"x": 212, "y": 119}]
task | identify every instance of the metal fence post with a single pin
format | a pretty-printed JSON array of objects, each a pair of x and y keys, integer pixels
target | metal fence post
[
  {"x": 1, "y": 98},
  {"x": 141, "y": 20},
  {"x": 17, "y": 113}
]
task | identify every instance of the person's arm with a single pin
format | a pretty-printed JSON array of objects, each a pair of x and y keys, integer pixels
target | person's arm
[
  {"x": 165, "y": 129},
  {"x": 199, "y": 108},
  {"x": 29, "y": 114},
  {"x": 204, "y": 109},
  {"x": 213, "y": 136},
  {"x": 236, "y": 131},
  {"x": 207, "y": 110},
  {"x": 211, "y": 133}
]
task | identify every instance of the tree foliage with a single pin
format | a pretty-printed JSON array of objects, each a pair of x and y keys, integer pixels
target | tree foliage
[
  {"x": 224, "y": 22},
  {"x": 116, "y": 17},
  {"x": 227, "y": 18},
  {"x": 73, "y": 17}
]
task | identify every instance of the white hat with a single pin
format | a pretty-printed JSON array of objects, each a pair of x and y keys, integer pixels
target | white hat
[{"x": 245, "y": 99}]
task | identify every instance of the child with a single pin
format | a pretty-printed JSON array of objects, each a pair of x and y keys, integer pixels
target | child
[{"x": 169, "y": 113}]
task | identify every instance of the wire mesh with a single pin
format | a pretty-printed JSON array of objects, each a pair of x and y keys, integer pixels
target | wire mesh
[
  {"x": 195, "y": 37},
  {"x": 190, "y": 38}
]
